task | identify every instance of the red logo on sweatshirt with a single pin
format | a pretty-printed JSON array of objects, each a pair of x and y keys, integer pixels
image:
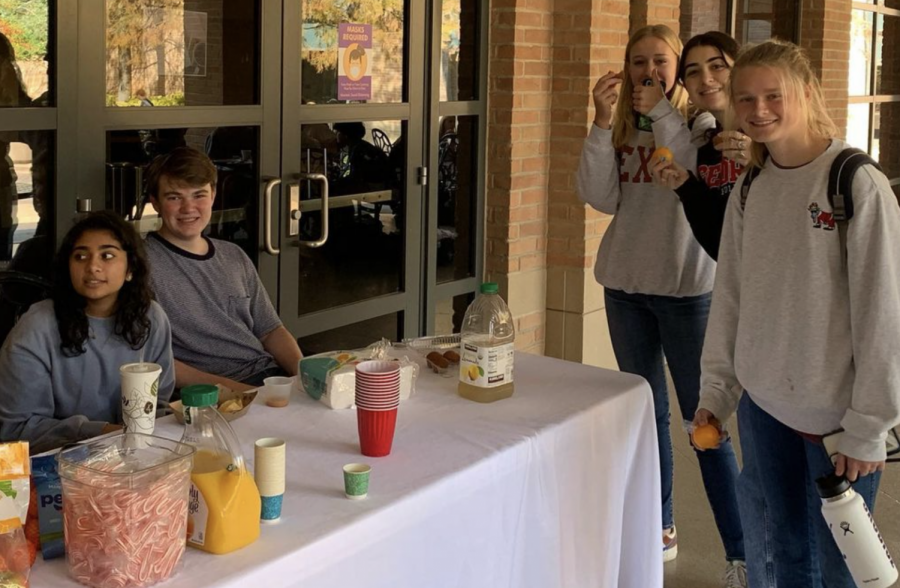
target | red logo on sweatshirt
[
  {"x": 642, "y": 175},
  {"x": 820, "y": 218},
  {"x": 716, "y": 176}
]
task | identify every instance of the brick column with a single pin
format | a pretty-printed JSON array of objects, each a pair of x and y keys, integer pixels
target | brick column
[
  {"x": 651, "y": 12},
  {"x": 701, "y": 16},
  {"x": 517, "y": 146},
  {"x": 825, "y": 34},
  {"x": 889, "y": 134},
  {"x": 545, "y": 57}
]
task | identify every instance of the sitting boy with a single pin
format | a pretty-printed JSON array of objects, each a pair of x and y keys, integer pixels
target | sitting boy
[{"x": 224, "y": 327}]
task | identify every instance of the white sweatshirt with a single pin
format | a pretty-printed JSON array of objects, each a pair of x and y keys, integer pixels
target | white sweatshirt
[
  {"x": 813, "y": 349},
  {"x": 649, "y": 247}
]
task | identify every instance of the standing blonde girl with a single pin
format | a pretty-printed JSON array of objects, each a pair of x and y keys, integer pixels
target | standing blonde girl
[
  {"x": 657, "y": 278},
  {"x": 800, "y": 339}
]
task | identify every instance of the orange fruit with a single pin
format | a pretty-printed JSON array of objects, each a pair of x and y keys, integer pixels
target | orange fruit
[
  {"x": 664, "y": 153},
  {"x": 706, "y": 437}
]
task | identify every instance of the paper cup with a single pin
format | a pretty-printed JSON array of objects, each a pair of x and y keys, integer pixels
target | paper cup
[
  {"x": 277, "y": 391},
  {"x": 356, "y": 480},
  {"x": 140, "y": 384},
  {"x": 270, "y": 510},
  {"x": 376, "y": 431},
  {"x": 268, "y": 466}
]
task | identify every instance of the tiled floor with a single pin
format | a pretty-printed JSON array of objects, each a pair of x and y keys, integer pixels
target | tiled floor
[{"x": 700, "y": 560}]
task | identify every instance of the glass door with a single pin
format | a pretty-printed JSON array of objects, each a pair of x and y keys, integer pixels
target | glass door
[
  {"x": 458, "y": 125},
  {"x": 352, "y": 183},
  {"x": 32, "y": 114}
]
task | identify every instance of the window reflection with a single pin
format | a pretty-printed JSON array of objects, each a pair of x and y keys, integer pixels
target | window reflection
[
  {"x": 26, "y": 201},
  {"x": 233, "y": 151},
  {"x": 449, "y": 314},
  {"x": 861, "y": 29},
  {"x": 352, "y": 51},
  {"x": 457, "y": 195},
  {"x": 758, "y": 20},
  {"x": 459, "y": 50},
  {"x": 365, "y": 164},
  {"x": 182, "y": 52},
  {"x": 24, "y": 53},
  {"x": 886, "y": 142}
]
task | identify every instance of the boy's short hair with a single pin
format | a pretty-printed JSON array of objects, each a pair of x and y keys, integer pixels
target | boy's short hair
[{"x": 184, "y": 166}]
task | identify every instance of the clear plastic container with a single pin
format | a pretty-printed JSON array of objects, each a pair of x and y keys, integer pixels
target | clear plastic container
[
  {"x": 487, "y": 348},
  {"x": 126, "y": 509},
  {"x": 225, "y": 504}
]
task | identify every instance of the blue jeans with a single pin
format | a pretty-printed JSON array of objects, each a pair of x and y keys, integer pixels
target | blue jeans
[
  {"x": 776, "y": 490},
  {"x": 643, "y": 328}
]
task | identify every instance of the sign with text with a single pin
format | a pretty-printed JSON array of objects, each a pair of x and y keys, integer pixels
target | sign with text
[{"x": 354, "y": 58}]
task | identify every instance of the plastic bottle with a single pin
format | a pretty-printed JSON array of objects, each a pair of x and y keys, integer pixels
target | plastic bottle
[
  {"x": 487, "y": 348},
  {"x": 224, "y": 508},
  {"x": 855, "y": 533}
]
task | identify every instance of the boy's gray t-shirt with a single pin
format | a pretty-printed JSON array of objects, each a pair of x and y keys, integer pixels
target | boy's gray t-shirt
[{"x": 217, "y": 306}]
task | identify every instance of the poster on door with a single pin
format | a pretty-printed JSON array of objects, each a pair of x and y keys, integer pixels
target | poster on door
[{"x": 354, "y": 60}]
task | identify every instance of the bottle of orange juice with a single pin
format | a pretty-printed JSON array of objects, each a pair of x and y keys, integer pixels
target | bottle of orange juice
[{"x": 224, "y": 507}]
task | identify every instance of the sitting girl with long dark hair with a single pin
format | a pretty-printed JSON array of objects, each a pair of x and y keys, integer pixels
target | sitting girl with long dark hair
[{"x": 59, "y": 367}]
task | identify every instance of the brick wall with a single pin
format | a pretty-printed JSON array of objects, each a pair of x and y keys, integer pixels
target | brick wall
[
  {"x": 518, "y": 152},
  {"x": 700, "y": 16},
  {"x": 644, "y": 12},
  {"x": 889, "y": 128},
  {"x": 545, "y": 56},
  {"x": 825, "y": 34}
]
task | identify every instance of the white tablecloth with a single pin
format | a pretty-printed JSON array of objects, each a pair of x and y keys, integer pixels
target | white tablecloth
[{"x": 556, "y": 487}]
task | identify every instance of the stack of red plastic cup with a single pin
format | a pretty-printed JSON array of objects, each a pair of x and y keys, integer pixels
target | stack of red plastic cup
[{"x": 377, "y": 399}]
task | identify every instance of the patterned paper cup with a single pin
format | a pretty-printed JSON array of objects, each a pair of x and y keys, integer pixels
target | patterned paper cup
[{"x": 356, "y": 480}]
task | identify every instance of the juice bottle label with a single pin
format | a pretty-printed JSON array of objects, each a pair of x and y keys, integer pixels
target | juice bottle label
[
  {"x": 198, "y": 513},
  {"x": 486, "y": 367}
]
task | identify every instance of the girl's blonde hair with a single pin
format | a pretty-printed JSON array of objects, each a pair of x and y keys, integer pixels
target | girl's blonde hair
[
  {"x": 798, "y": 80},
  {"x": 623, "y": 127}
]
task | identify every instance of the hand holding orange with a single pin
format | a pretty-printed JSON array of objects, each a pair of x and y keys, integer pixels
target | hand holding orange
[
  {"x": 662, "y": 153},
  {"x": 706, "y": 436}
]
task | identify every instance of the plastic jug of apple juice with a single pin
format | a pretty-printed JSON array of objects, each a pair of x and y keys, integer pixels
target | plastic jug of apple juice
[
  {"x": 224, "y": 507},
  {"x": 487, "y": 348}
]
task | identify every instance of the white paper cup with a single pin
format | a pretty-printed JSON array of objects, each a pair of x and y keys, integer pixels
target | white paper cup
[
  {"x": 268, "y": 466},
  {"x": 140, "y": 385}
]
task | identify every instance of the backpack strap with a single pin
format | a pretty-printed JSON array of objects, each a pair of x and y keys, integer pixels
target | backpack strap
[
  {"x": 749, "y": 176},
  {"x": 840, "y": 189}
]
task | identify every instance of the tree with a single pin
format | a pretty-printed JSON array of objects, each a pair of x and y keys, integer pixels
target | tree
[
  {"x": 26, "y": 24},
  {"x": 134, "y": 30}
]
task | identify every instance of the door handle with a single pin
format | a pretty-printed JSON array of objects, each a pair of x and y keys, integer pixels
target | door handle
[
  {"x": 295, "y": 213},
  {"x": 267, "y": 218}
]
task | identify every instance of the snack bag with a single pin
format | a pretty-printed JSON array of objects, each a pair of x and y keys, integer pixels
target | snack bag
[
  {"x": 15, "y": 470},
  {"x": 15, "y": 559},
  {"x": 16, "y": 556},
  {"x": 49, "y": 505}
]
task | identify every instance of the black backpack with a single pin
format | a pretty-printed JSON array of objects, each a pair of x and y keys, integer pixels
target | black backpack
[{"x": 840, "y": 192}]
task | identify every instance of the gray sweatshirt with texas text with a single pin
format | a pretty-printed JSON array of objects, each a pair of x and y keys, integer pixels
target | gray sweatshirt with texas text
[{"x": 649, "y": 247}]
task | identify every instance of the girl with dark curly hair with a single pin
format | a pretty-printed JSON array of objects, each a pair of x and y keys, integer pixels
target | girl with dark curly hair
[{"x": 59, "y": 367}]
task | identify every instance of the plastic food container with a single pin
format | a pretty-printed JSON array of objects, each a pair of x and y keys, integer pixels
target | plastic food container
[
  {"x": 225, "y": 395},
  {"x": 125, "y": 509}
]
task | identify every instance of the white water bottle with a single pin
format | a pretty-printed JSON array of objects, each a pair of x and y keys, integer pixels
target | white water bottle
[{"x": 855, "y": 533}]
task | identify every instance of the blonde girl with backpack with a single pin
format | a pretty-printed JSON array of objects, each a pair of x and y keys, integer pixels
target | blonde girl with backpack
[
  {"x": 657, "y": 279},
  {"x": 803, "y": 329}
]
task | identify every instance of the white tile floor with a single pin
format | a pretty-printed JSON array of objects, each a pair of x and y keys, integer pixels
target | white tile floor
[{"x": 701, "y": 559}]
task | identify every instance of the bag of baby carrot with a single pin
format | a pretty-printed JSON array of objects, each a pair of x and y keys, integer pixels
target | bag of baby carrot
[{"x": 16, "y": 556}]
